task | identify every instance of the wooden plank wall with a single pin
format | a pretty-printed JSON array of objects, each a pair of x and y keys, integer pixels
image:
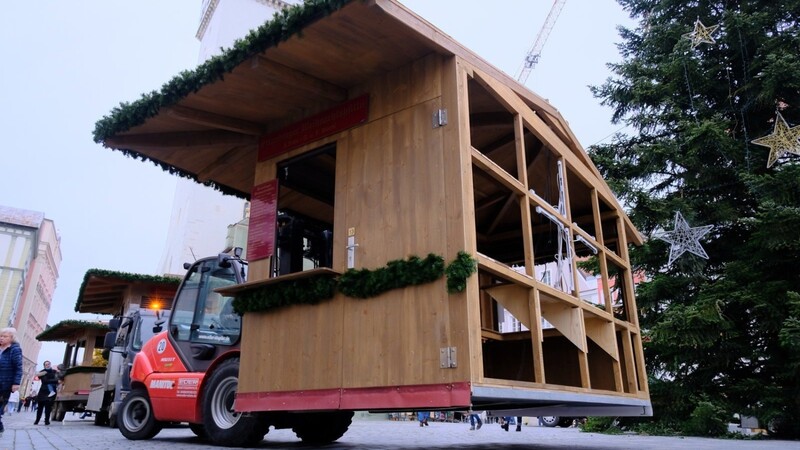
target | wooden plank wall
[
  {"x": 292, "y": 348},
  {"x": 404, "y": 187},
  {"x": 390, "y": 190}
]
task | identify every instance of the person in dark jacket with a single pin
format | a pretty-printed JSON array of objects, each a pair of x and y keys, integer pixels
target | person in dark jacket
[
  {"x": 44, "y": 399},
  {"x": 10, "y": 367}
]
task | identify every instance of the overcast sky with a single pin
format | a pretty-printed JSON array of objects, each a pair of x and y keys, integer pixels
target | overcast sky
[{"x": 64, "y": 65}]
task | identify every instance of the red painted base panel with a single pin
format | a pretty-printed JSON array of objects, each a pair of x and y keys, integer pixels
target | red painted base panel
[{"x": 445, "y": 395}]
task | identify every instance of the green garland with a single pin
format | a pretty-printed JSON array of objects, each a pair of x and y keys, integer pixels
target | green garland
[
  {"x": 397, "y": 274},
  {"x": 124, "y": 276},
  {"x": 363, "y": 283},
  {"x": 293, "y": 292},
  {"x": 59, "y": 330},
  {"x": 458, "y": 271},
  {"x": 284, "y": 25}
]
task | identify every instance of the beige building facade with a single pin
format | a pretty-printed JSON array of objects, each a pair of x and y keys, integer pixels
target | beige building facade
[{"x": 30, "y": 248}]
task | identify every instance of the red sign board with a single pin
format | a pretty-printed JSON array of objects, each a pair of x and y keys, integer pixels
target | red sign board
[
  {"x": 326, "y": 123},
  {"x": 263, "y": 219}
]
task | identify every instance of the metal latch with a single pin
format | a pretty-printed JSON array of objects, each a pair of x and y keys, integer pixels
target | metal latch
[
  {"x": 447, "y": 358},
  {"x": 439, "y": 118}
]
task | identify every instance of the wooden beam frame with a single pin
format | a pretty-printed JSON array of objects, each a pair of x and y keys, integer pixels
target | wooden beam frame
[
  {"x": 301, "y": 81},
  {"x": 212, "y": 120},
  {"x": 181, "y": 140}
]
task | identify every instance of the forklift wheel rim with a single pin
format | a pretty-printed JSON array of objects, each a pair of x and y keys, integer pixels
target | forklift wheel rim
[{"x": 222, "y": 403}]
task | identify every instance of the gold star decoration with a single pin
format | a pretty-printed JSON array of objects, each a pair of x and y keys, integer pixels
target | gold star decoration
[
  {"x": 783, "y": 140},
  {"x": 701, "y": 34}
]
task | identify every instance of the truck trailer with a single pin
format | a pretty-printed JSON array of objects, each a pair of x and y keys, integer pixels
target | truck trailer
[{"x": 405, "y": 198}]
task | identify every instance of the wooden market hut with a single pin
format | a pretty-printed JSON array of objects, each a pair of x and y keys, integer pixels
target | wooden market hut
[
  {"x": 77, "y": 335},
  {"x": 378, "y": 139},
  {"x": 116, "y": 293}
]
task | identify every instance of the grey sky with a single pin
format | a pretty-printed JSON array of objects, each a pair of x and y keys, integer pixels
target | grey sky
[{"x": 67, "y": 64}]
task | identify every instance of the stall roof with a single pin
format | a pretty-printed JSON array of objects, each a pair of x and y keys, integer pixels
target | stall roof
[
  {"x": 103, "y": 291},
  {"x": 205, "y": 124},
  {"x": 70, "y": 331}
]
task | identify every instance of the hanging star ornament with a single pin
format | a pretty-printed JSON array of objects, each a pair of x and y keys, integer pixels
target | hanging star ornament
[
  {"x": 685, "y": 239},
  {"x": 701, "y": 34},
  {"x": 783, "y": 140}
]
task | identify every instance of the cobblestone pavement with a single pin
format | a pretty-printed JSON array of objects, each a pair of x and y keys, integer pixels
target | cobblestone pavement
[{"x": 74, "y": 433}]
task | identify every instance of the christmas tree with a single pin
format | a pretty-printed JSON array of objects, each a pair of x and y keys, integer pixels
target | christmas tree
[{"x": 710, "y": 94}]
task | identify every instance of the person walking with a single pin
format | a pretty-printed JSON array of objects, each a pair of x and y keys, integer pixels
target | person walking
[
  {"x": 422, "y": 417},
  {"x": 45, "y": 397},
  {"x": 49, "y": 378},
  {"x": 475, "y": 416},
  {"x": 10, "y": 368}
]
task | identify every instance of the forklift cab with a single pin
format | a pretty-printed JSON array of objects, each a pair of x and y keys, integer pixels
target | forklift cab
[{"x": 203, "y": 322}]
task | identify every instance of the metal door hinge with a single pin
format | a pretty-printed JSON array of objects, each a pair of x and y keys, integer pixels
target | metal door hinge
[{"x": 447, "y": 358}]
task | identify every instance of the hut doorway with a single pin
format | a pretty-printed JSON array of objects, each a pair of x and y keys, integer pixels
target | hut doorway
[{"x": 305, "y": 211}]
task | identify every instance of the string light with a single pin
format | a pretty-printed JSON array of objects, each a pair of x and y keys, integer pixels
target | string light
[
  {"x": 701, "y": 34},
  {"x": 684, "y": 239},
  {"x": 783, "y": 140}
]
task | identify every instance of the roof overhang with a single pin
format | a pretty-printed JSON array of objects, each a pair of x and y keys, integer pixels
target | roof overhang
[
  {"x": 205, "y": 125},
  {"x": 71, "y": 331},
  {"x": 104, "y": 292}
]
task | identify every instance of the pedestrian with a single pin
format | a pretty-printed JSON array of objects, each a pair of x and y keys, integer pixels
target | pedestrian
[
  {"x": 519, "y": 423},
  {"x": 45, "y": 397},
  {"x": 13, "y": 400},
  {"x": 10, "y": 368},
  {"x": 475, "y": 416},
  {"x": 422, "y": 417},
  {"x": 49, "y": 378}
]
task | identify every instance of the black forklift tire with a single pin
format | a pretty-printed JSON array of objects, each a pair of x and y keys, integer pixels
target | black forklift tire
[
  {"x": 101, "y": 418},
  {"x": 320, "y": 428},
  {"x": 135, "y": 418},
  {"x": 199, "y": 430},
  {"x": 222, "y": 424},
  {"x": 59, "y": 411}
]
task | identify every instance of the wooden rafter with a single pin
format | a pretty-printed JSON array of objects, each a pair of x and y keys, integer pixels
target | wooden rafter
[
  {"x": 273, "y": 72},
  {"x": 212, "y": 120},
  {"x": 172, "y": 141}
]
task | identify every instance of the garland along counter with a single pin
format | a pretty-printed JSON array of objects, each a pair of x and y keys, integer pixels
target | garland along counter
[{"x": 417, "y": 222}]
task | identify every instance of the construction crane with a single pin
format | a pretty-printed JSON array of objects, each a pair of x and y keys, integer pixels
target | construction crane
[{"x": 536, "y": 50}]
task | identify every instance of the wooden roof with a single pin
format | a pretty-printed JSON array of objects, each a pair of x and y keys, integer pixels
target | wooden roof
[
  {"x": 70, "y": 331},
  {"x": 104, "y": 291},
  {"x": 205, "y": 124}
]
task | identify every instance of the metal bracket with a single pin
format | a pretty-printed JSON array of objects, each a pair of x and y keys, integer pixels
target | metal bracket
[
  {"x": 439, "y": 118},
  {"x": 351, "y": 248},
  {"x": 447, "y": 358}
]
